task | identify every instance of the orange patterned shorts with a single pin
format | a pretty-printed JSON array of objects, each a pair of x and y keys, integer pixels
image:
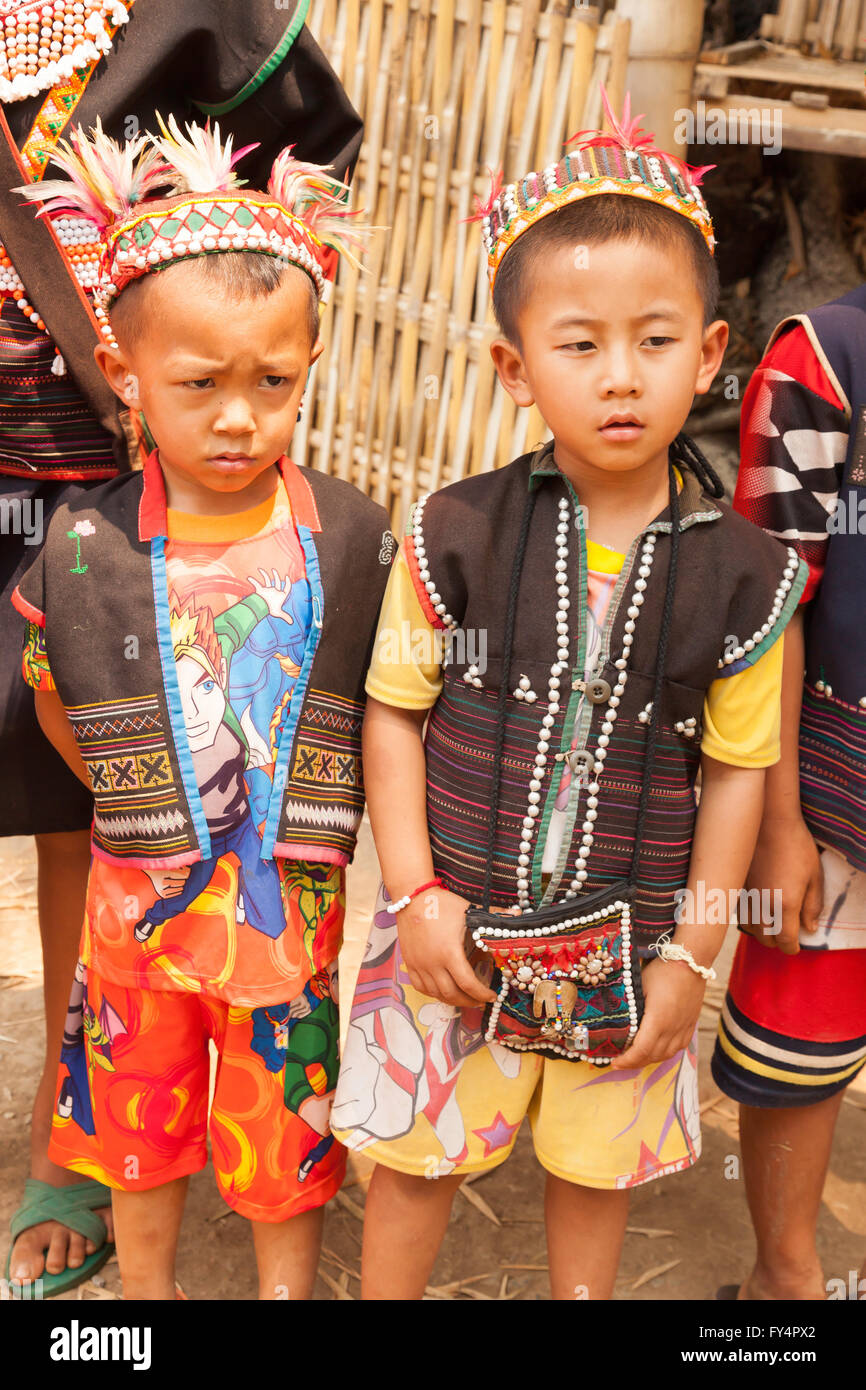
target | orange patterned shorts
[{"x": 132, "y": 1094}]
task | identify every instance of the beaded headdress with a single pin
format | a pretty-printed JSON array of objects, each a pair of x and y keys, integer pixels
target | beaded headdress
[
  {"x": 625, "y": 162},
  {"x": 201, "y": 206}
]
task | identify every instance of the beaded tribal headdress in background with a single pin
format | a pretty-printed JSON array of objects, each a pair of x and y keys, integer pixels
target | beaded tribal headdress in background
[
  {"x": 625, "y": 162},
  {"x": 160, "y": 199}
]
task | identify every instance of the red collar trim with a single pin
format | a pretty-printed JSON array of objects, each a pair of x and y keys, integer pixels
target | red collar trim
[
  {"x": 153, "y": 521},
  {"x": 304, "y": 509}
]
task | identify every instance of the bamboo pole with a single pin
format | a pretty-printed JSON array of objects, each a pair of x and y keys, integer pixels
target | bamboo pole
[
  {"x": 405, "y": 396},
  {"x": 621, "y": 30},
  {"x": 586, "y": 31},
  {"x": 792, "y": 21},
  {"x": 849, "y": 24}
]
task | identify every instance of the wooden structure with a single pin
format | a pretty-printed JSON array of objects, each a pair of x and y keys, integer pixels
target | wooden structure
[
  {"x": 802, "y": 71},
  {"x": 824, "y": 28},
  {"x": 405, "y": 397}
]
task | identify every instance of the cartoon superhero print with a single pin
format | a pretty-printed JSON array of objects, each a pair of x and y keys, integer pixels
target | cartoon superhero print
[
  {"x": 236, "y": 673},
  {"x": 391, "y": 1072},
  {"x": 302, "y": 1037},
  {"x": 87, "y": 1042}
]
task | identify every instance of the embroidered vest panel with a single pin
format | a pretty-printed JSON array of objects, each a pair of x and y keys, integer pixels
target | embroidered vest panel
[
  {"x": 104, "y": 597},
  {"x": 833, "y": 720},
  {"x": 729, "y": 576},
  {"x": 97, "y": 593},
  {"x": 324, "y": 791}
]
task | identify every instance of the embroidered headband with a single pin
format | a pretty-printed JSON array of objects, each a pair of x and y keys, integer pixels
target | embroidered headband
[
  {"x": 624, "y": 162},
  {"x": 202, "y": 207}
]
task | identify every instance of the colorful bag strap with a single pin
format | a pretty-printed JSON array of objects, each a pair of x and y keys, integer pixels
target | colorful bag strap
[{"x": 681, "y": 451}]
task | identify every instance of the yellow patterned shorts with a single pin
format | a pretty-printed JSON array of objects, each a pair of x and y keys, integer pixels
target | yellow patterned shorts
[{"x": 420, "y": 1091}]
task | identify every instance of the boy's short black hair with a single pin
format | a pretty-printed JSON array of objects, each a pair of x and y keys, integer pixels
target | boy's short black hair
[
  {"x": 237, "y": 275},
  {"x": 606, "y": 217}
]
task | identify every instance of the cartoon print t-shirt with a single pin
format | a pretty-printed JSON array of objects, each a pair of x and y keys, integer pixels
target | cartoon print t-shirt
[{"x": 235, "y": 926}]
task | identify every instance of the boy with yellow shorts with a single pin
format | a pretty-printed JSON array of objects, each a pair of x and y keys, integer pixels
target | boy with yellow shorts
[{"x": 605, "y": 288}]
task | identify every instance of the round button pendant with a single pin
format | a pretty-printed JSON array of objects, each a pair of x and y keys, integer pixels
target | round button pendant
[
  {"x": 598, "y": 691},
  {"x": 580, "y": 760}
]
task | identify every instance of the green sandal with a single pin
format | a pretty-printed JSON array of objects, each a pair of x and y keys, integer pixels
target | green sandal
[{"x": 73, "y": 1207}]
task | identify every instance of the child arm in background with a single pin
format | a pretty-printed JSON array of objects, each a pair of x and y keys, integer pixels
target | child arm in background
[
  {"x": 726, "y": 829},
  {"x": 55, "y": 725},
  {"x": 789, "y": 489},
  {"x": 432, "y": 927},
  {"x": 741, "y": 741},
  {"x": 786, "y": 857}
]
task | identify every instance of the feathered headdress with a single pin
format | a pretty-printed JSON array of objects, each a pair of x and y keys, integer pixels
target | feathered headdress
[
  {"x": 624, "y": 160},
  {"x": 163, "y": 198},
  {"x": 104, "y": 180}
]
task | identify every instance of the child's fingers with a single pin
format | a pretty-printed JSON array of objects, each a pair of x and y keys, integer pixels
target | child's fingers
[
  {"x": 450, "y": 992},
  {"x": 420, "y": 980},
  {"x": 813, "y": 901},
  {"x": 788, "y": 939},
  {"x": 650, "y": 1045},
  {"x": 466, "y": 980}
]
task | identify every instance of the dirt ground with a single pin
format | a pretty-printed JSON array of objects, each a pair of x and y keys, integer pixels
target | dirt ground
[{"x": 687, "y": 1233}]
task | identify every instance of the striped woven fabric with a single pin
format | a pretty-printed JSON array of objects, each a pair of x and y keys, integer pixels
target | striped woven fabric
[
  {"x": 460, "y": 742},
  {"x": 833, "y": 773},
  {"x": 792, "y": 1028},
  {"x": 46, "y": 429}
]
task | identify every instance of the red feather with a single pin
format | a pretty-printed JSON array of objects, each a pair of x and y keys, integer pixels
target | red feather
[{"x": 484, "y": 209}]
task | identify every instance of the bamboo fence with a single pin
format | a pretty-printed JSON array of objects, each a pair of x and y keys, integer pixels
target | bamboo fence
[
  {"x": 823, "y": 28},
  {"x": 405, "y": 397}
]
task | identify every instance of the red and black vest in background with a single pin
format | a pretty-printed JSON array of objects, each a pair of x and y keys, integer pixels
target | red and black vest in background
[{"x": 833, "y": 720}]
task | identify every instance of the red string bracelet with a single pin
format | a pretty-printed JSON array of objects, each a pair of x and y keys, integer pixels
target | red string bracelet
[{"x": 398, "y": 906}]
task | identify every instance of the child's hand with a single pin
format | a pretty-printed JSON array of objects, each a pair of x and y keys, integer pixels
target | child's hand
[
  {"x": 431, "y": 931},
  {"x": 674, "y": 994},
  {"x": 275, "y": 591},
  {"x": 786, "y": 858}
]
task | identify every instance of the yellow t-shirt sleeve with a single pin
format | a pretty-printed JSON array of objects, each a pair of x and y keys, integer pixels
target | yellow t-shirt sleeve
[
  {"x": 406, "y": 669},
  {"x": 743, "y": 714}
]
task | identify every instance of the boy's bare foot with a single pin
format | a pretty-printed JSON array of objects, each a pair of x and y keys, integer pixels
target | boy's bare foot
[{"x": 804, "y": 1283}]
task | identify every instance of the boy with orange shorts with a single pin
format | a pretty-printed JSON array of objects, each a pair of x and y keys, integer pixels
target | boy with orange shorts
[{"x": 197, "y": 639}]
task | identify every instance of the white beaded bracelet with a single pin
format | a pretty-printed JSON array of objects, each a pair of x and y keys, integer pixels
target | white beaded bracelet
[
  {"x": 672, "y": 950},
  {"x": 394, "y": 908}
]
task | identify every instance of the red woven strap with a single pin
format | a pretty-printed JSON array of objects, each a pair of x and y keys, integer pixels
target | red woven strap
[{"x": 433, "y": 883}]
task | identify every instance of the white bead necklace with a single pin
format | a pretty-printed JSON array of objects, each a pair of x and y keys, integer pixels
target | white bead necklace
[
  {"x": 563, "y": 663},
  {"x": 44, "y": 42}
]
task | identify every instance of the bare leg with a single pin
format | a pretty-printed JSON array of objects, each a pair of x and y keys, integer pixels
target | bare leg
[
  {"x": 585, "y": 1231},
  {"x": 63, "y": 864},
  {"x": 287, "y": 1254},
  {"x": 406, "y": 1218},
  {"x": 786, "y": 1154},
  {"x": 146, "y": 1227}
]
